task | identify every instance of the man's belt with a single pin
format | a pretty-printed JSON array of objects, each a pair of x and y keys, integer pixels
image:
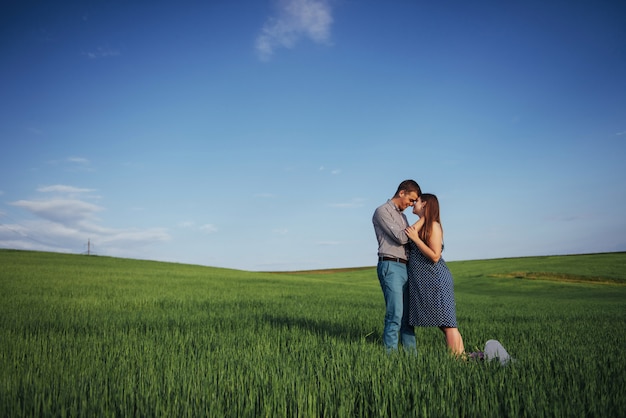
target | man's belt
[{"x": 396, "y": 259}]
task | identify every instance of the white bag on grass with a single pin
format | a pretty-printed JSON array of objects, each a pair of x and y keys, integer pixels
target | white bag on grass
[{"x": 495, "y": 350}]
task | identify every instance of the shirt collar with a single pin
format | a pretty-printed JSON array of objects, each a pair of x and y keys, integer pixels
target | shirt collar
[{"x": 394, "y": 205}]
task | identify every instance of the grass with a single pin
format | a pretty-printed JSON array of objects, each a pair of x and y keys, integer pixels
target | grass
[{"x": 85, "y": 336}]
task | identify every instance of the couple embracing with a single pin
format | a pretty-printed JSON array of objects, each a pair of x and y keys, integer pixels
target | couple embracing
[{"x": 415, "y": 280}]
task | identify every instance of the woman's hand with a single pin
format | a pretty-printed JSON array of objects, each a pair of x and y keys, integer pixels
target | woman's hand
[{"x": 413, "y": 232}]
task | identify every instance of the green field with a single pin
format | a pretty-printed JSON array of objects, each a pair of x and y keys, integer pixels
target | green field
[{"x": 100, "y": 336}]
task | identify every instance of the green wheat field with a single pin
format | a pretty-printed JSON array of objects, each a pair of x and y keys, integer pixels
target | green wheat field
[{"x": 84, "y": 336}]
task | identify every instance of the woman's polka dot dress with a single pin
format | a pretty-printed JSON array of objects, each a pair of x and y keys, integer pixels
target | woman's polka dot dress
[{"x": 431, "y": 292}]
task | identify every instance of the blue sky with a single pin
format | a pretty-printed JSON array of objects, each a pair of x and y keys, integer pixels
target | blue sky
[{"x": 261, "y": 135}]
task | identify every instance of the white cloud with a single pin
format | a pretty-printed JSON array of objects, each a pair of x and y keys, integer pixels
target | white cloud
[
  {"x": 79, "y": 164},
  {"x": 333, "y": 171},
  {"x": 296, "y": 19},
  {"x": 60, "y": 188},
  {"x": 73, "y": 164},
  {"x": 208, "y": 228},
  {"x": 133, "y": 236},
  {"x": 102, "y": 52},
  {"x": 64, "y": 224},
  {"x": 64, "y": 211},
  {"x": 78, "y": 160}
]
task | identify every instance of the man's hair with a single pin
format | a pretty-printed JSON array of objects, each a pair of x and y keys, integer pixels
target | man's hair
[{"x": 409, "y": 186}]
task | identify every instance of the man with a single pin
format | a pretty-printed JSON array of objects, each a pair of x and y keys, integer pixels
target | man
[{"x": 389, "y": 225}]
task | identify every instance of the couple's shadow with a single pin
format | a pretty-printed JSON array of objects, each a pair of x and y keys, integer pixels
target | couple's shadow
[{"x": 323, "y": 328}]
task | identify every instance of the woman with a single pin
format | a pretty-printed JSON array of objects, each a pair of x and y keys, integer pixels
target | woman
[{"x": 431, "y": 291}]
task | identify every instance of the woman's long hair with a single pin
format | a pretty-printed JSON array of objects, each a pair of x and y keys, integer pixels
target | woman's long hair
[{"x": 431, "y": 214}]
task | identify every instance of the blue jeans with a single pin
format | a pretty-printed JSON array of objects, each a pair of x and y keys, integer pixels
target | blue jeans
[{"x": 394, "y": 284}]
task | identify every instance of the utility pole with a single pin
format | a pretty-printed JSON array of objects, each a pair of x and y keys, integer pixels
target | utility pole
[{"x": 88, "y": 246}]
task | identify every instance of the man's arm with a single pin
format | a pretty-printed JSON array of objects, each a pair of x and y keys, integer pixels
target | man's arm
[{"x": 389, "y": 226}]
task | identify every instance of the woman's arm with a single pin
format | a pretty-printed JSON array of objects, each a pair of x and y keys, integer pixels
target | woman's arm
[
  {"x": 418, "y": 224},
  {"x": 432, "y": 250}
]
